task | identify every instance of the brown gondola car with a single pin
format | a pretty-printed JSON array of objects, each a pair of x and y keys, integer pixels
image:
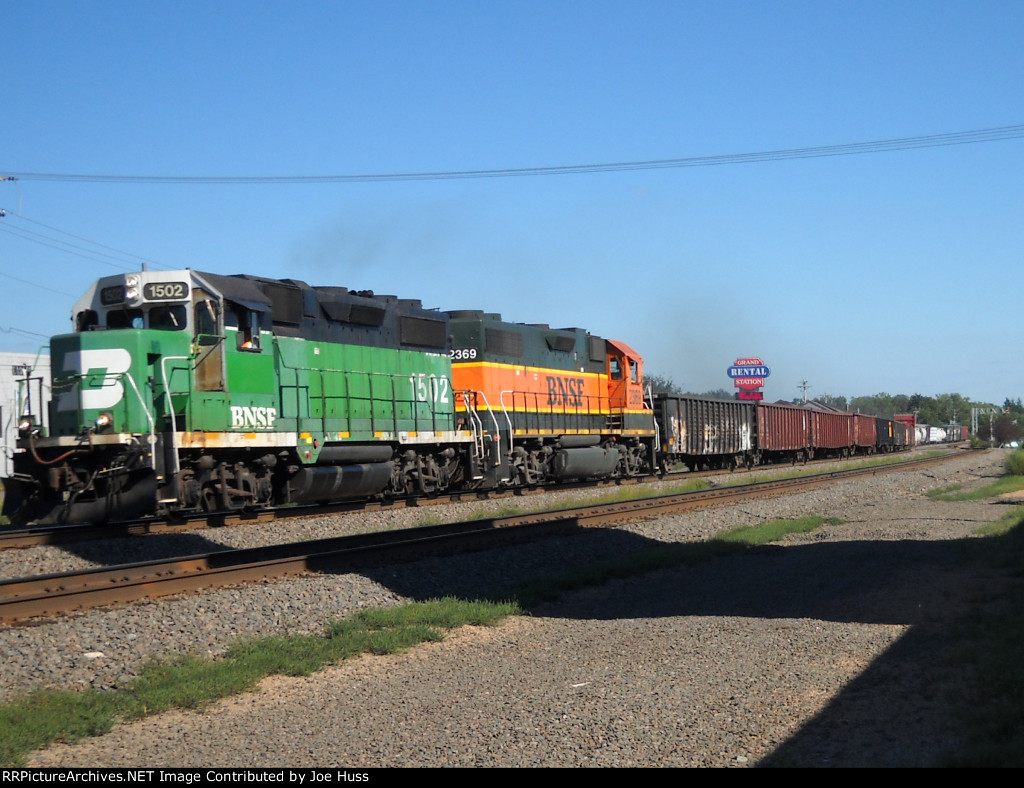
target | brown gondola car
[
  {"x": 783, "y": 432},
  {"x": 831, "y": 433},
  {"x": 865, "y": 433}
]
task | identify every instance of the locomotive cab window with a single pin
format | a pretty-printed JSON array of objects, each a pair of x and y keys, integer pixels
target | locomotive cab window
[
  {"x": 87, "y": 320},
  {"x": 248, "y": 329},
  {"x": 124, "y": 318},
  {"x": 167, "y": 318},
  {"x": 206, "y": 320},
  {"x": 634, "y": 371},
  {"x": 614, "y": 369}
]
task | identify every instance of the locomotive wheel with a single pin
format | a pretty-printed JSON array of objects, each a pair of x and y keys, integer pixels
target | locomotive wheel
[{"x": 209, "y": 502}]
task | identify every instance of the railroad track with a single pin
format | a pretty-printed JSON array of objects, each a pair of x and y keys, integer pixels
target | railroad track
[
  {"x": 15, "y": 538},
  {"x": 25, "y": 599}
]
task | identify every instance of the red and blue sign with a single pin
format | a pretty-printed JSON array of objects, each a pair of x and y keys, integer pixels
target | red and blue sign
[
  {"x": 753, "y": 371},
  {"x": 748, "y": 374}
]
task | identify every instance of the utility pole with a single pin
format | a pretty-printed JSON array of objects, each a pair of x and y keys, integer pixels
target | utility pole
[{"x": 803, "y": 385}]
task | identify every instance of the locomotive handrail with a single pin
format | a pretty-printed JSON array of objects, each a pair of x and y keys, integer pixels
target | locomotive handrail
[
  {"x": 149, "y": 418},
  {"x": 657, "y": 428},
  {"x": 497, "y": 430},
  {"x": 577, "y": 412},
  {"x": 416, "y": 416},
  {"x": 477, "y": 425},
  {"x": 170, "y": 408}
]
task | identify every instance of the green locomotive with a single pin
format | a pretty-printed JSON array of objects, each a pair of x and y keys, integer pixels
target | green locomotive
[{"x": 182, "y": 391}]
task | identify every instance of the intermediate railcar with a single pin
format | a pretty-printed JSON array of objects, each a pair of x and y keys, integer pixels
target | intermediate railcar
[
  {"x": 831, "y": 433},
  {"x": 706, "y": 433},
  {"x": 890, "y": 435},
  {"x": 783, "y": 433},
  {"x": 555, "y": 404},
  {"x": 865, "y": 433}
]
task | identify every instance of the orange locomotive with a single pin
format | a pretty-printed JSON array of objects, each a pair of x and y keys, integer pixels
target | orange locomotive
[{"x": 549, "y": 404}]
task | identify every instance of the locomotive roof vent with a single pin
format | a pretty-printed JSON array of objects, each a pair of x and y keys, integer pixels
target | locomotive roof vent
[{"x": 561, "y": 342}]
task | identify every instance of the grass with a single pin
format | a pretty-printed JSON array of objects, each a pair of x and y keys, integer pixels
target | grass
[
  {"x": 46, "y": 715},
  {"x": 1015, "y": 463},
  {"x": 774, "y": 530},
  {"x": 1004, "y": 484},
  {"x": 1003, "y": 526},
  {"x": 635, "y": 492}
]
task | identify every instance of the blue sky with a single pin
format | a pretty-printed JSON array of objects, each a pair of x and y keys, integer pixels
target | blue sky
[{"x": 895, "y": 271}]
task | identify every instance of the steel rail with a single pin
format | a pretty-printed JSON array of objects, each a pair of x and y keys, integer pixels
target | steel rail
[
  {"x": 22, "y": 599},
  {"x": 32, "y": 536}
]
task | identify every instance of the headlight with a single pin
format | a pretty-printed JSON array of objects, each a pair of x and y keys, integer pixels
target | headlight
[
  {"x": 131, "y": 290},
  {"x": 103, "y": 421},
  {"x": 26, "y": 425}
]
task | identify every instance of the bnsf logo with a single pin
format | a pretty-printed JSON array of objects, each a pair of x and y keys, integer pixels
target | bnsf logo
[
  {"x": 242, "y": 417},
  {"x": 565, "y": 391},
  {"x": 101, "y": 372}
]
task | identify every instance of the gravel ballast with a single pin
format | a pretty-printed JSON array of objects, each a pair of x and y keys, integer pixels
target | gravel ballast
[{"x": 828, "y": 650}]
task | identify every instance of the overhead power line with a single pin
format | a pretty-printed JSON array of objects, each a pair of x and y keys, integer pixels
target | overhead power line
[
  {"x": 849, "y": 149},
  {"x": 36, "y": 284},
  {"x": 125, "y": 261}
]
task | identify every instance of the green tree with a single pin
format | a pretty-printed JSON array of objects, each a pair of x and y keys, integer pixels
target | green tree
[
  {"x": 661, "y": 384},
  {"x": 834, "y": 401},
  {"x": 714, "y": 394},
  {"x": 1004, "y": 429}
]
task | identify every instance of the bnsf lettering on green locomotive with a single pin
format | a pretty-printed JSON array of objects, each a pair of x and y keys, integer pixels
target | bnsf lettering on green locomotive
[{"x": 242, "y": 417}]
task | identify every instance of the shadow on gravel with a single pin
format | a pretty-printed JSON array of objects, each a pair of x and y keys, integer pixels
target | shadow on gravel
[
  {"x": 154, "y": 547},
  {"x": 897, "y": 712}
]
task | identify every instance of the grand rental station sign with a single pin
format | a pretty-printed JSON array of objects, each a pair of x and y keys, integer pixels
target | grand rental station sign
[{"x": 748, "y": 376}]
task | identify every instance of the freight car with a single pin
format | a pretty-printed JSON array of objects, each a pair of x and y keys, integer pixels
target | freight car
[
  {"x": 706, "y": 433},
  {"x": 182, "y": 391},
  {"x": 949, "y": 433},
  {"x": 702, "y": 433}
]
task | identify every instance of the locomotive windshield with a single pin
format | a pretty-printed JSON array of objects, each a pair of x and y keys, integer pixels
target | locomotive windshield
[
  {"x": 124, "y": 318},
  {"x": 162, "y": 318},
  {"x": 168, "y": 318}
]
